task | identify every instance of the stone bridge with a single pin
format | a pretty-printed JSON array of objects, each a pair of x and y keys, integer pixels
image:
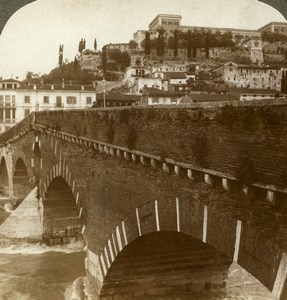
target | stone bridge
[{"x": 159, "y": 195}]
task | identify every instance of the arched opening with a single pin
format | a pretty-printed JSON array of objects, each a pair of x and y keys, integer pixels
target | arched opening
[
  {"x": 60, "y": 218},
  {"x": 166, "y": 265},
  {"x": 4, "y": 182},
  {"x": 21, "y": 185},
  {"x": 37, "y": 159}
]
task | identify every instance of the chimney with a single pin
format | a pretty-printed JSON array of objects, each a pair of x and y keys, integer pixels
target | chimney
[
  {"x": 52, "y": 86},
  {"x": 63, "y": 83},
  {"x": 35, "y": 87},
  {"x": 83, "y": 87}
]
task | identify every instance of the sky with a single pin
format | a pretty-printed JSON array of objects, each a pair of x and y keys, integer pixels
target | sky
[{"x": 31, "y": 38}]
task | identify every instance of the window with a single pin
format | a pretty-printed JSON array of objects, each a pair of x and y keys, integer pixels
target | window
[
  {"x": 89, "y": 100},
  {"x": 71, "y": 100},
  {"x": 13, "y": 114},
  {"x": 46, "y": 99},
  {"x": 163, "y": 22},
  {"x": 256, "y": 44},
  {"x": 230, "y": 69},
  {"x": 7, "y": 114},
  {"x": 27, "y": 99},
  {"x": 13, "y": 100},
  {"x": 169, "y": 23},
  {"x": 27, "y": 113},
  {"x": 7, "y": 100},
  {"x": 175, "y": 23},
  {"x": 1, "y": 100}
]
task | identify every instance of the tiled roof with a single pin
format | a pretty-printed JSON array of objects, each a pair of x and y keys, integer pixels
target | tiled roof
[
  {"x": 118, "y": 97},
  {"x": 211, "y": 97},
  {"x": 57, "y": 87},
  {"x": 160, "y": 93},
  {"x": 10, "y": 80},
  {"x": 236, "y": 92}
]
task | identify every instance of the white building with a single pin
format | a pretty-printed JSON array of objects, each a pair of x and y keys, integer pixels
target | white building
[
  {"x": 247, "y": 76},
  {"x": 18, "y": 102}
]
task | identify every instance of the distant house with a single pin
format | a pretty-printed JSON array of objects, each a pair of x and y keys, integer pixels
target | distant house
[
  {"x": 249, "y": 76},
  {"x": 120, "y": 46},
  {"x": 117, "y": 99},
  {"x": 153, "y": 96},
  {"x": 204, "y": 97},
  {"x": 255, "y": 94},
  {"x": 275, "y": 27},
  {"x": 18, "y": 100}
]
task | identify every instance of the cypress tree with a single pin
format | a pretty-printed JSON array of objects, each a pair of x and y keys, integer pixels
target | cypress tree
[
  {"x": 189, "y": 44},
  {"x": 95, "y": 44},
  {"x": 175, "y": 45},
  {"x": 147, "y": 43},
  {"x": 104, "y": 60}
]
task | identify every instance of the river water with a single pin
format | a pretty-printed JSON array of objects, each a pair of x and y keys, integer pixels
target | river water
[{"x": 39, "y": 272}]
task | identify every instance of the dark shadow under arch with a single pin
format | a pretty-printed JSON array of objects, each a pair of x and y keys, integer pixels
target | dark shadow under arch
[
  {"x": 165, "y": 264},
  {"x": 21, "y": 185},
  {"x": 4, "y": 181},
  {"x": 61, "y": 220}
]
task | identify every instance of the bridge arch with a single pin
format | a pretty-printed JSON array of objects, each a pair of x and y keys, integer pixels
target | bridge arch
[
  {"x": 21, "y": 181},
  {"x": 176, "y": 218},
  {"x": 61, "y": 220},
  {"x": 4, "y": 179},
  {"x": 148, "y": 265}
]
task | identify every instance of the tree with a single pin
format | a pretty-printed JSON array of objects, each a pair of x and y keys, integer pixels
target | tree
[
  {"x": 76, "y": 64},
  {"x": 82, "y": 45},
  {"x": 133, "y": 44},
  {"x": 207, "y": 44},
  {"x": 95, "y": 44},
  {"x": 104, "y": 60},
  {"x": 175, "y": 41},
  {"x": 147, "y": 43},
  {"x": 160, "y": 43},
  {"x": 61, "y": 51},
  {"x": 189, "y": 44}
]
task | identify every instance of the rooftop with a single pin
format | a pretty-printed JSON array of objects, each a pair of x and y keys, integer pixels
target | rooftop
[
  {"x": 209, "y": 97},
  {"x": 236, "y": 92},
  {"x": 10, "y": 80},
  {"x": 165, "y": 15},
  {"x": 57, "y": 87},
  {"x": 272, "y": 23},
  {"x": 114, "y": 96},
  {"x": 160, "y": 93}
]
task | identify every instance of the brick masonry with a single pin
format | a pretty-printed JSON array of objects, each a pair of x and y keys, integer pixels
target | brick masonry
[{"x": 113, "y": 190}]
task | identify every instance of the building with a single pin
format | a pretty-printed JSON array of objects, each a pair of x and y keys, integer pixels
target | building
[
  {"x": 255, "y": 47},
  {"x": 18, "y": 100},
  {"x": 137, "y": 72},
  {"x": 248, "y": 76},
  {"x": 117, "y": 99},
  {"x": 154, "y": 96},
  {"x": 237, "y": 34},
  {"x": 9, "y": 84},
  {"x": 48, "y": 97},
  {"x": 89, "y": 60},
  {"x": 8, "y": 107},
  {"x": 168, "y": 22},
  {"x": 243, "y": 94},
  {"x": 120, "y": 46},
  {"x": 275, "y": 27},
  {"x": 206, "y": 98}
]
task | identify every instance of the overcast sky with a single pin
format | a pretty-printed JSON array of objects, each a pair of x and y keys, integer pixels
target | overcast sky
[{"x": 31, "y": 38}]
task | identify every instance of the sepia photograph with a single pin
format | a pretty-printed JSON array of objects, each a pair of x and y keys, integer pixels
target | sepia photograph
[{"x": 143, "y": 150}]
